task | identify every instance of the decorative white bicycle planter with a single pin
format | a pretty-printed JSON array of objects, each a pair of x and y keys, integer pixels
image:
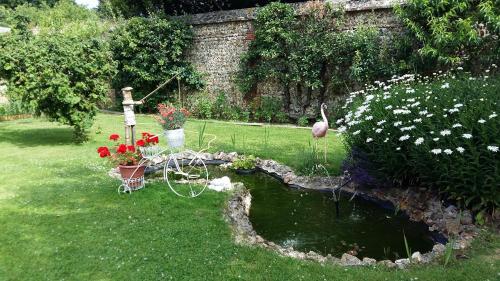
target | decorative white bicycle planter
[{"x": 186, "y": 177}]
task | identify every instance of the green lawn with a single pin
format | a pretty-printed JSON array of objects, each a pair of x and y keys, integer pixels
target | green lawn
[{"x": 61, "y": 217}]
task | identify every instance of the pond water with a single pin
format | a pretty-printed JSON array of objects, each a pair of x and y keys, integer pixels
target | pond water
[{"x": 307, "y": 221}]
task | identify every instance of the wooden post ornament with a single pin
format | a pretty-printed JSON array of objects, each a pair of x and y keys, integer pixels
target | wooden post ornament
[{"x": 128, "y": 110}]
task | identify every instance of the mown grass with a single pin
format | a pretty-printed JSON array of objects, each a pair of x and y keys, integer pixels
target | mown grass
[{"x": 61, "y": 217}]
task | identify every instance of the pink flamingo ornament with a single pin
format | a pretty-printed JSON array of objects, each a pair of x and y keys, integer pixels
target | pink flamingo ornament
[{"x": 320, "y": 128}]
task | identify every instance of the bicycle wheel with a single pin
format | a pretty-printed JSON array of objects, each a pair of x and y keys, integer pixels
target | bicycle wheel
[{"x": 186, "y": 177}]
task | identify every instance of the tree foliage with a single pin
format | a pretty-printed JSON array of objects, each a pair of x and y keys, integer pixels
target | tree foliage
[
  {"x": 62, "y": 77},
  {"x": 455, "y": 31},
  {"x": 63, "y": 69},
  {"x": 130, "y": 8},
  {"x": 149, "y": 51}
]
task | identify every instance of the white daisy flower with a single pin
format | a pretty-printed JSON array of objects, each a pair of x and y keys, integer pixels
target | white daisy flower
[
  {"x": 448, "y": 151},
  {"x": 493, "y": 148},
  {"x": 436, "y": 151},
  {"x": 456, "y": 125},
  {"x": 418, "y": 120},
  {"x": 435, "y": 139},
  {"x": 398, "y": 149},
  {"x": 460, "y": 149},
  {"x": 405, "y": 137},
  {"x": 386, "y": 139},
  {"x": 445, "y": 132},
  {"x": 356, "y": 133},
  {"x": 419, "y": 141},
  {"x": 341, "y": 129},
  {"x": 445, "y": 85},
  {"x": 482, "y": 121},
  {"x": 380, "y": 122},
  {"x": 378, "y": 131},
  {"x": 492, "y": 115},
  {"x": 429, "y": 115},
  {"x": 368, "y": 140},
  {"x": 368, "y": 118},
  {"x": 467, "y": 136},
  {"x": 458, "y": 105}
]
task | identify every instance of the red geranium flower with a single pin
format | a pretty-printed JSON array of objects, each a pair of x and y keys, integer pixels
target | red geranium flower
[
  {"x": 121, "y": 148},
  {"x": 153, "y": 139},
  {"x": 103, "y": 152},
  {"x": 114, "y": 137},
  {"x": 145, "y": 135},
  {"x": 131, "y": 148},
  {"x": 140, "y": 143}
]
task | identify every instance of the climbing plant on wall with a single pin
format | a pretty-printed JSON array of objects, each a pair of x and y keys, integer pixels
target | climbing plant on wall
[
  {"x": 150, "y": 51},
  {"x": 307, "y": 51}
]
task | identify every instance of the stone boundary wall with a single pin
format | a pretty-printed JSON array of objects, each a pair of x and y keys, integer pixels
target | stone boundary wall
[{"x": 222, "y": 37}]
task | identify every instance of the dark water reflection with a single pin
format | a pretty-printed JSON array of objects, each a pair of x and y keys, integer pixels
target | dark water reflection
[{"x": 307, "y": 221}]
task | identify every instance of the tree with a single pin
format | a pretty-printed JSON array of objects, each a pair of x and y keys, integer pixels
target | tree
[
  {"x": 62, "y": 77},
  {"x": 15, "y": 3},
  {"x": 129, "y": 8}
]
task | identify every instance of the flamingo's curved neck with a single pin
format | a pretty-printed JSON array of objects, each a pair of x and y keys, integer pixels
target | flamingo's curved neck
[{"x": 324, "y": 116}]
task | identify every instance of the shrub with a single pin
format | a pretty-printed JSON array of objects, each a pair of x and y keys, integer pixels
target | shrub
[
  {"x": 244, "y": 163},
  {"x": 303, "y": 121},
  {"x": 453, "y": 32},
  {"x": 201, "y": 105},
  {"x": 267, "y": 109},
  {"x": 14, "y": 108},
  {"x": 149, "y": 51},
  {"x": 61, "y": 76},
  {"x": 440, "y": 132}
]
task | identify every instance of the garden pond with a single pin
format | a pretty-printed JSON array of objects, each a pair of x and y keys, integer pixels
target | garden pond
[{"x": 307, "y": 220}]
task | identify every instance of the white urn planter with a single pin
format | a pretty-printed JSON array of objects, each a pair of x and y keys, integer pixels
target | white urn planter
[{"x": 175, "y": 138}]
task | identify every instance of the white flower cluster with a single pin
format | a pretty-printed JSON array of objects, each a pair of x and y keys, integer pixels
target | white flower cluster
[{"x": 398, "y": 111}]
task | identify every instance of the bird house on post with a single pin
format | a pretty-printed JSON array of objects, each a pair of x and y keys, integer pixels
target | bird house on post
[{"x": 128, "y": 111}]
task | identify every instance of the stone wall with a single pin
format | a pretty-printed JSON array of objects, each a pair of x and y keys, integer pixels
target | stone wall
[{"x": 222, "y": 37}]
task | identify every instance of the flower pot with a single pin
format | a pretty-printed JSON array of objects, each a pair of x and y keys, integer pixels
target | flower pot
[
  {"x": 245, "y": 171},
  {"x": 175, "y": 138},
  {"x": 133, "y": 176}
]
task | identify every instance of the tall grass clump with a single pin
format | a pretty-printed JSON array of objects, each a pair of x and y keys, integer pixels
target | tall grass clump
[{"x": 441, "y": 132}]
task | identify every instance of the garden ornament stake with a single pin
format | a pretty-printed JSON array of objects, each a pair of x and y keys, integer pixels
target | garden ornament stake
[
  {"x": 128, "y": 110},
  {"x": 320, "y": 129}
]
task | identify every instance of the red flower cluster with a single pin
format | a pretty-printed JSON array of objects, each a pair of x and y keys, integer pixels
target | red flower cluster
[
  {"x": 171, "y": 118},
  {"x": 103, "y": 152},
  {"x": 114, "y": 137},
  {"x": 124, "y": 155},
  {"x": 148, "y": 140}
]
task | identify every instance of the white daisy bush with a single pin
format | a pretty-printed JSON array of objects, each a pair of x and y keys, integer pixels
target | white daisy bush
[{"x": 441, "y": 132}]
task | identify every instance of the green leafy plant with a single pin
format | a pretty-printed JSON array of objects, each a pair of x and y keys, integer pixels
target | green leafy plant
[
  {"x": 149, "y": 51},
  {"x": 60, "y": 76},
  {"x": 244, "y": 163},
  {"x": 407, "y": 247},
  {"x": 449, "y": 252},
  {"x": 201, "y": 135},
  {"x": 454, "y": 31},
  {"x": 440, "y": 132},
  {"x": 303, "y": 121}
]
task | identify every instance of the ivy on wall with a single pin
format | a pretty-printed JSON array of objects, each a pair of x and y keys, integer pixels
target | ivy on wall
[{"x": 311, "y": 53}]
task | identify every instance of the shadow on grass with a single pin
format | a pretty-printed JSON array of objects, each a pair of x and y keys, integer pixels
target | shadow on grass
[{"x": 37, "y": 137}]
